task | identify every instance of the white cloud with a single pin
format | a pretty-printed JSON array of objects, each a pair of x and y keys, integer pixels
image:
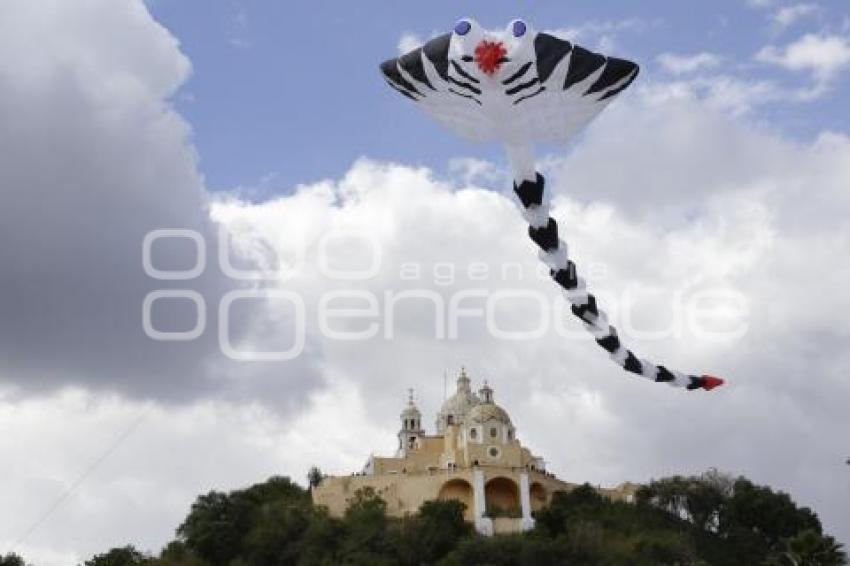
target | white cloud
[
  {"x": 141, "y": 466},
  {"x": 238, "y": 27},
  {"x": 822, "y": 55},
  {"x": 788, "y": 15},
  {"x": 601, "y": 35},
  {"x": 597, "y": 28},
  {"x": 680, "y": 64},
  {"x": 408, "y": 42},
  {"x": 721, "y": 92},
  {"x": 478, "y": 172}
]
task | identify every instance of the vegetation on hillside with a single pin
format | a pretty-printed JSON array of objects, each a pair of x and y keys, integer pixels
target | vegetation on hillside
[{"x": 710, "y": 519}]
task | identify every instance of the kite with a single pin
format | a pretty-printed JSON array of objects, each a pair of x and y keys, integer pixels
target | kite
[{"x": 517, "y": 87}]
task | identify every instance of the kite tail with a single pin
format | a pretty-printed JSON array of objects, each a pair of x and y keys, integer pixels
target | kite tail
[{"x": 553, "y": 251}]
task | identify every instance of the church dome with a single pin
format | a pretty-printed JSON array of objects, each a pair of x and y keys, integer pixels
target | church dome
[
  {"x": 410, "y": 411},
  {"x": 460, "y": 403},
  {"x": 454, "y": 409},
  {"x": 486, "y": 412}
]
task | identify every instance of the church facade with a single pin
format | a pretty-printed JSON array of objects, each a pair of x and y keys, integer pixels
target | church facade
[{"x": 475, "y": 457}]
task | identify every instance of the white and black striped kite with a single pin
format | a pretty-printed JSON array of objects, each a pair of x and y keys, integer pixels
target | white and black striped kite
[{"x": 517, "y": 87}]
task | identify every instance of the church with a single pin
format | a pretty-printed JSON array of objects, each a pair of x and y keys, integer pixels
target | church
[{"x": 475, "y": 456}]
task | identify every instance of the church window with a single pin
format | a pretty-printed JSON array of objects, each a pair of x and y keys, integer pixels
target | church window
[
  {"x": 493, "y": 432},
  {"x": 510, "y": 434},
  {"x": 494, "y": 452},
  {"x": 450, "y": 419},
  {"x": 473, "y": 433}
]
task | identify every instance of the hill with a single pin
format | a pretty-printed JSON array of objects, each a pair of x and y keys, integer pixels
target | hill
[{"x": 708, "y": 519}]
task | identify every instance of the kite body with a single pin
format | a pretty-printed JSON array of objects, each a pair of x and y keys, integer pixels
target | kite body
[{"x": 518, "y": 87}]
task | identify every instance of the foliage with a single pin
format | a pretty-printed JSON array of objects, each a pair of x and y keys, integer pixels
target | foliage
[
  {"x": 123, "y": 556},
  {"x": 494, "y": 511},
  {"x": 11, "y": 560},
  {"x": 709, "y": 519},
  {"x": 219, "y": 524},
  {"x": 436, "y": 530},
  {"x": 314, "y": 477},
  {"x": 808, "y": 548}
]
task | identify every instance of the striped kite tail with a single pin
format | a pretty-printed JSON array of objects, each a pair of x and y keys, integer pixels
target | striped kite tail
[{"x": 553, "y": 251}]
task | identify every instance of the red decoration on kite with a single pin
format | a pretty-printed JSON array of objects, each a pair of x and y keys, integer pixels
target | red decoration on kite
[{"x": 490, "y": 55}]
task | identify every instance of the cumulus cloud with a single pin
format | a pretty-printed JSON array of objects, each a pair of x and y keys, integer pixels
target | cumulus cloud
[
  {"x": 602, "y": 35},
  {"x": 94, "y": 158},
  {"x": 721, "y": 92},
  {"x": 824, "y": 56},
  {"x": 788, "y": 15},
  {"x": 679, "y": 64},
  {"x": 142, "y": 465}
]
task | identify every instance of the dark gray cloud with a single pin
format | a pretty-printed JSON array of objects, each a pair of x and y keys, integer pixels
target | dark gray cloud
[{"x": 92, "y": 158}]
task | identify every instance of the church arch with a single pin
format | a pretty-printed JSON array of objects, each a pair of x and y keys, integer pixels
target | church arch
[
  {"x": 460, "y": 490},
  {"x": 502, "y": 496},
  {"x": 539, "y": 496}
]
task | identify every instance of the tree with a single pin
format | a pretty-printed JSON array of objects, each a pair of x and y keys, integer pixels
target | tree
[
  {"x": 367, "y": 539},
  {"x": 767, "y": 516},
  {"x": 320, "y": 543},
  {"x": 218, "y": 522},
  {"x": 176, "y": 553},
  {"x": 699, "y": 500},
  {"x": 12, "y": 560},
  {"x": 809, "y": 548},
  {"x": 314, "y": 477},
  {"x": 438, "y": 528},
  {"x": 553, "y": 519},
  {"x": 276, "y": 534},
  {"x": 706, "y": 519},
  {"x": 122, "y": 556}
]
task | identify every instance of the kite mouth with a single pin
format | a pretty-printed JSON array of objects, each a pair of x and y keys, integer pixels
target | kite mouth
[{"x": 490, "y": 55}]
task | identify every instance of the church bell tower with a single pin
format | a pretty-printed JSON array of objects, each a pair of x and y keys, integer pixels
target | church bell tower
[{"x": 411, "y": 427}]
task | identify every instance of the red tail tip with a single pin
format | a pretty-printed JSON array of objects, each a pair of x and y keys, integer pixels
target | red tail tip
[{"x": 709, "y": 382}]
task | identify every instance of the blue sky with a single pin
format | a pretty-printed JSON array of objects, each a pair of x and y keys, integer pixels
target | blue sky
[{"x": 288, "y": 93}]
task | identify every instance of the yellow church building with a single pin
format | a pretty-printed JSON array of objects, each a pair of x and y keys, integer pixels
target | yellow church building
[{"x": 475, "y": 457}]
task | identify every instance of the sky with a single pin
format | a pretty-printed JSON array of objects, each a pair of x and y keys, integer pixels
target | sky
[
  {"x": 707, "y": 206},
  {"x": 264, "y": 75}
]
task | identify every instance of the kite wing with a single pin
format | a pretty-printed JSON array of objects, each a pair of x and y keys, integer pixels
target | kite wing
[{"x": 516, "y": 86}]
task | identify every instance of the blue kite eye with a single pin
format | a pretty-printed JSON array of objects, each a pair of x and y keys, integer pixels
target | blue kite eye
[
  {"x": 519, "y": 28},
  {"x": 462, "y": 27}
]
